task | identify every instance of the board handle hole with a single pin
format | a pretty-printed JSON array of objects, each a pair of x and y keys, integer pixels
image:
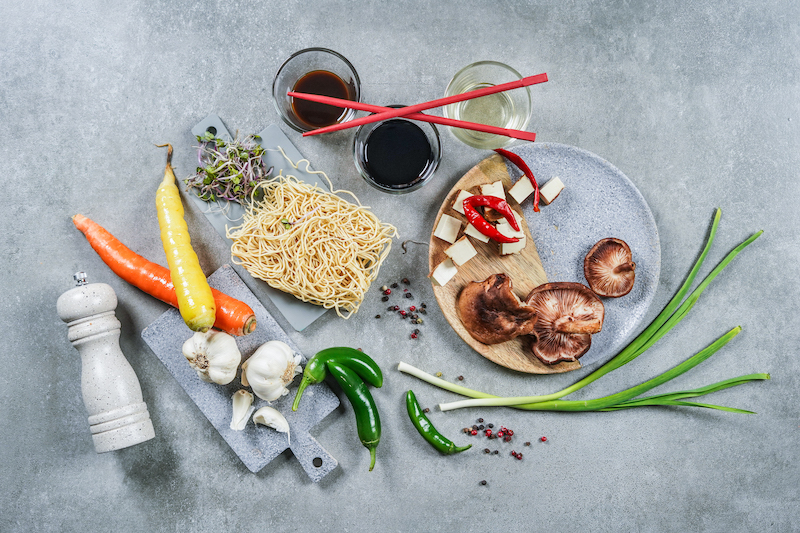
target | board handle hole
[
  {"x": 317, "y": 462},
  {"x": 212, "y": 130}
]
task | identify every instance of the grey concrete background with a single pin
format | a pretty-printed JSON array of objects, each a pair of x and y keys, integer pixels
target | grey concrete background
[{"x": 697, "y": 104}]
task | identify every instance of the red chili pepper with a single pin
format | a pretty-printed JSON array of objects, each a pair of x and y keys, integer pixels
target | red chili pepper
[
  {"x": 481, "y": 224},
  {"x": 517, "y": 160}
]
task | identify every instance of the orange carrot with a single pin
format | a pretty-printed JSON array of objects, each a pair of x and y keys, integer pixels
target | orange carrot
[{"x": 233, "y": 316}]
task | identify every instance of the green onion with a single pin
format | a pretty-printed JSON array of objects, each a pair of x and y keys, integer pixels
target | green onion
[{"x": 673, "y": 313}]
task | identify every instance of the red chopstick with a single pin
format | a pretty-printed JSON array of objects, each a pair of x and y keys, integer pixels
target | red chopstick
[
  {"x": 398, "y": 112},
  {"x": 339, "y": 102}
]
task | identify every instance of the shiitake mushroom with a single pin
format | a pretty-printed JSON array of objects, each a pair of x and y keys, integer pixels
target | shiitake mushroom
[
  {"x": 567, "y": 314},
  {"x": 491, "y": 312},
  {"x": 609, "y": 269}
]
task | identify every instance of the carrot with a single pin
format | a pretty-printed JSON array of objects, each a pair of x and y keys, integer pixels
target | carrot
[
  {"x": 195, "y": 300},
  {"x": 233, "y": 316}
]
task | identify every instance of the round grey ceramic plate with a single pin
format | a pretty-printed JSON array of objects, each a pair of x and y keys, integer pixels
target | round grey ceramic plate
[{"x": 598, "y": 201}]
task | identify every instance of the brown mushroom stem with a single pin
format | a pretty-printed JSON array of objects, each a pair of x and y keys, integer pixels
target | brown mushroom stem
[{"x": 625, "y": 267}]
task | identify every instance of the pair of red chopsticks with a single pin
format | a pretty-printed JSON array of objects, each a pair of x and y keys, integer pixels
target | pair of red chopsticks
[{"x": 413, "y": 111}]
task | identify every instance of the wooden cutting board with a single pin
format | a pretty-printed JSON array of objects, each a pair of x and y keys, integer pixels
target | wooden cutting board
[{"x": 525, "y": 270}]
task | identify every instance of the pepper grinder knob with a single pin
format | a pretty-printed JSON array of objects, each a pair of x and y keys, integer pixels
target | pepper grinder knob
[{"x": 118, "y": 415}]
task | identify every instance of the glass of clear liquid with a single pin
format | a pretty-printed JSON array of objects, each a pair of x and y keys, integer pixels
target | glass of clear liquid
[{"x": 509, "y": 109}]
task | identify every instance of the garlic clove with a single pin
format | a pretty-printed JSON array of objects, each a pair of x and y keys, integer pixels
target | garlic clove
[
  {"x": 242, "y": 407},
  {"x": 268, "y": 416}
]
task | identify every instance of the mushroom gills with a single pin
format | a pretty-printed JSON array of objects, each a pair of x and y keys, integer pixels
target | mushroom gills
[
  {"x": 609, "y": 268},
  {"x": 491, "y": 312},
  {"x": 567, "y": 316}
]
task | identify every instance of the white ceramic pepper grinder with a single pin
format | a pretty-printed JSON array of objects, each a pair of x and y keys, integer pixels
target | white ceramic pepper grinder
[{"x": 118, "y": 416}]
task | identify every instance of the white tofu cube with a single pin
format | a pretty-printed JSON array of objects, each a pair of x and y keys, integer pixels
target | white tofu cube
[
  {"x": 475, "y": 234},
  {"x": 506, "y": 229},
  {"x": 447, "y": 229},
  {"x": 507, "y": 248},
  {"x": 493, "y": 189},
  {"x": 521, "y": 189},
  {"x": 461, "y": 252},
  {"x": 458, "y": 204},
  {"x": 550, "y": 190},
  {"x": 444, "y": 272}
]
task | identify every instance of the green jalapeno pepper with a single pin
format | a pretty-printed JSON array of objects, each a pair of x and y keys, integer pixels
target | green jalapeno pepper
[
  {"x": 426, "y": 429},
  {"x": 355, "y": 360},
  {"x": 368, "y": 423}
]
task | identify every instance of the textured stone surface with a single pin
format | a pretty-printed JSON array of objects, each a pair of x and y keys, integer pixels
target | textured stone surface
[{"x": 698, "y": 103}]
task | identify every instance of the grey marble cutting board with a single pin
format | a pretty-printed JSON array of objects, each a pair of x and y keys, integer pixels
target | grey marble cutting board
[{"x": 255, "y": 446}]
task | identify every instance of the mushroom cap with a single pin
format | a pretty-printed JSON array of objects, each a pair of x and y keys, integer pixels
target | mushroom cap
[
  {"x": 492, "y": 313},
  {"x": 609, "y": 269},
  {"x": 567, "y": 314}
]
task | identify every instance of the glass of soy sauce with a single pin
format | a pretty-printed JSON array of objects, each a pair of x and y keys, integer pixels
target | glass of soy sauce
[
  {"x": 397, "y": 155},
  {"x": 315, "y": 71}
]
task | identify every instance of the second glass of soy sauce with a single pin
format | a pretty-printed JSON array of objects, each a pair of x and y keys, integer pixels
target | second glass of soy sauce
[{"x": 397, "y": 155}]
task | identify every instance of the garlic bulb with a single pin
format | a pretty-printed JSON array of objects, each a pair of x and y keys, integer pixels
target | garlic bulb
[
  {"x": 268, "y": 416},
  {"x": 242, "y": 407},
  {"x": 214, "y": 355},
  {"x": 270, "y": 370}
]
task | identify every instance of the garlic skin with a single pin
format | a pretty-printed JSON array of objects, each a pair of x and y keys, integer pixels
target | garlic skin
[
  {"x": 242, "y": 407},
  {"x": 268, "y": 416},
  {"x": 214, "y": 355},
  {"x": 270, "y": 370}
]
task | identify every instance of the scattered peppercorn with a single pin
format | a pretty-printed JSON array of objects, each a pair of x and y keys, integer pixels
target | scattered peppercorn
[
  {"x": 394, "y": 285},
  {"x": 483, "y": 482},
  {"x": 495, "y": 452},
  {"x": 426, "y": 410},
  {"x": 384, "y": 288},
  {"x": 473, "y": 432},
  {"x": 460, "y": 378},
  {"x": 474, "y": 426},
  {"x": 507, "y": 438},
  {"x": 396, "y": 308},
  {"x": 413, "y": 335},
  {"x": 438, "y": 374},
  {"x": 403, "y": 314},
  {"x": 387, "y": 292},
  {"x": 408, "y": 295},
  {"x": 544, "y": 439},
  {"x": 412, "y": 308},
  {"x": 405, "y": 280},
  {"x": 519, "y": 456},
  {"x": 480, "y": 421},
  {"x": 490, "y": 426},
  {"x": 385, "y": 299},
  {"x": 487, "y": 450},
  {"x": 466, "y": 430},
  {"x": 528, "y": 443},
  {"x": 481, "y": 427},
  {"x": 377, "y": 316}
]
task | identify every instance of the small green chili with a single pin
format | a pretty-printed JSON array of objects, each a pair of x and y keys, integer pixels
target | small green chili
[
  {"x": 355, "y": 360},
  {"x": 368, "y": 423},
  {"x": 426, "y": 429}
]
